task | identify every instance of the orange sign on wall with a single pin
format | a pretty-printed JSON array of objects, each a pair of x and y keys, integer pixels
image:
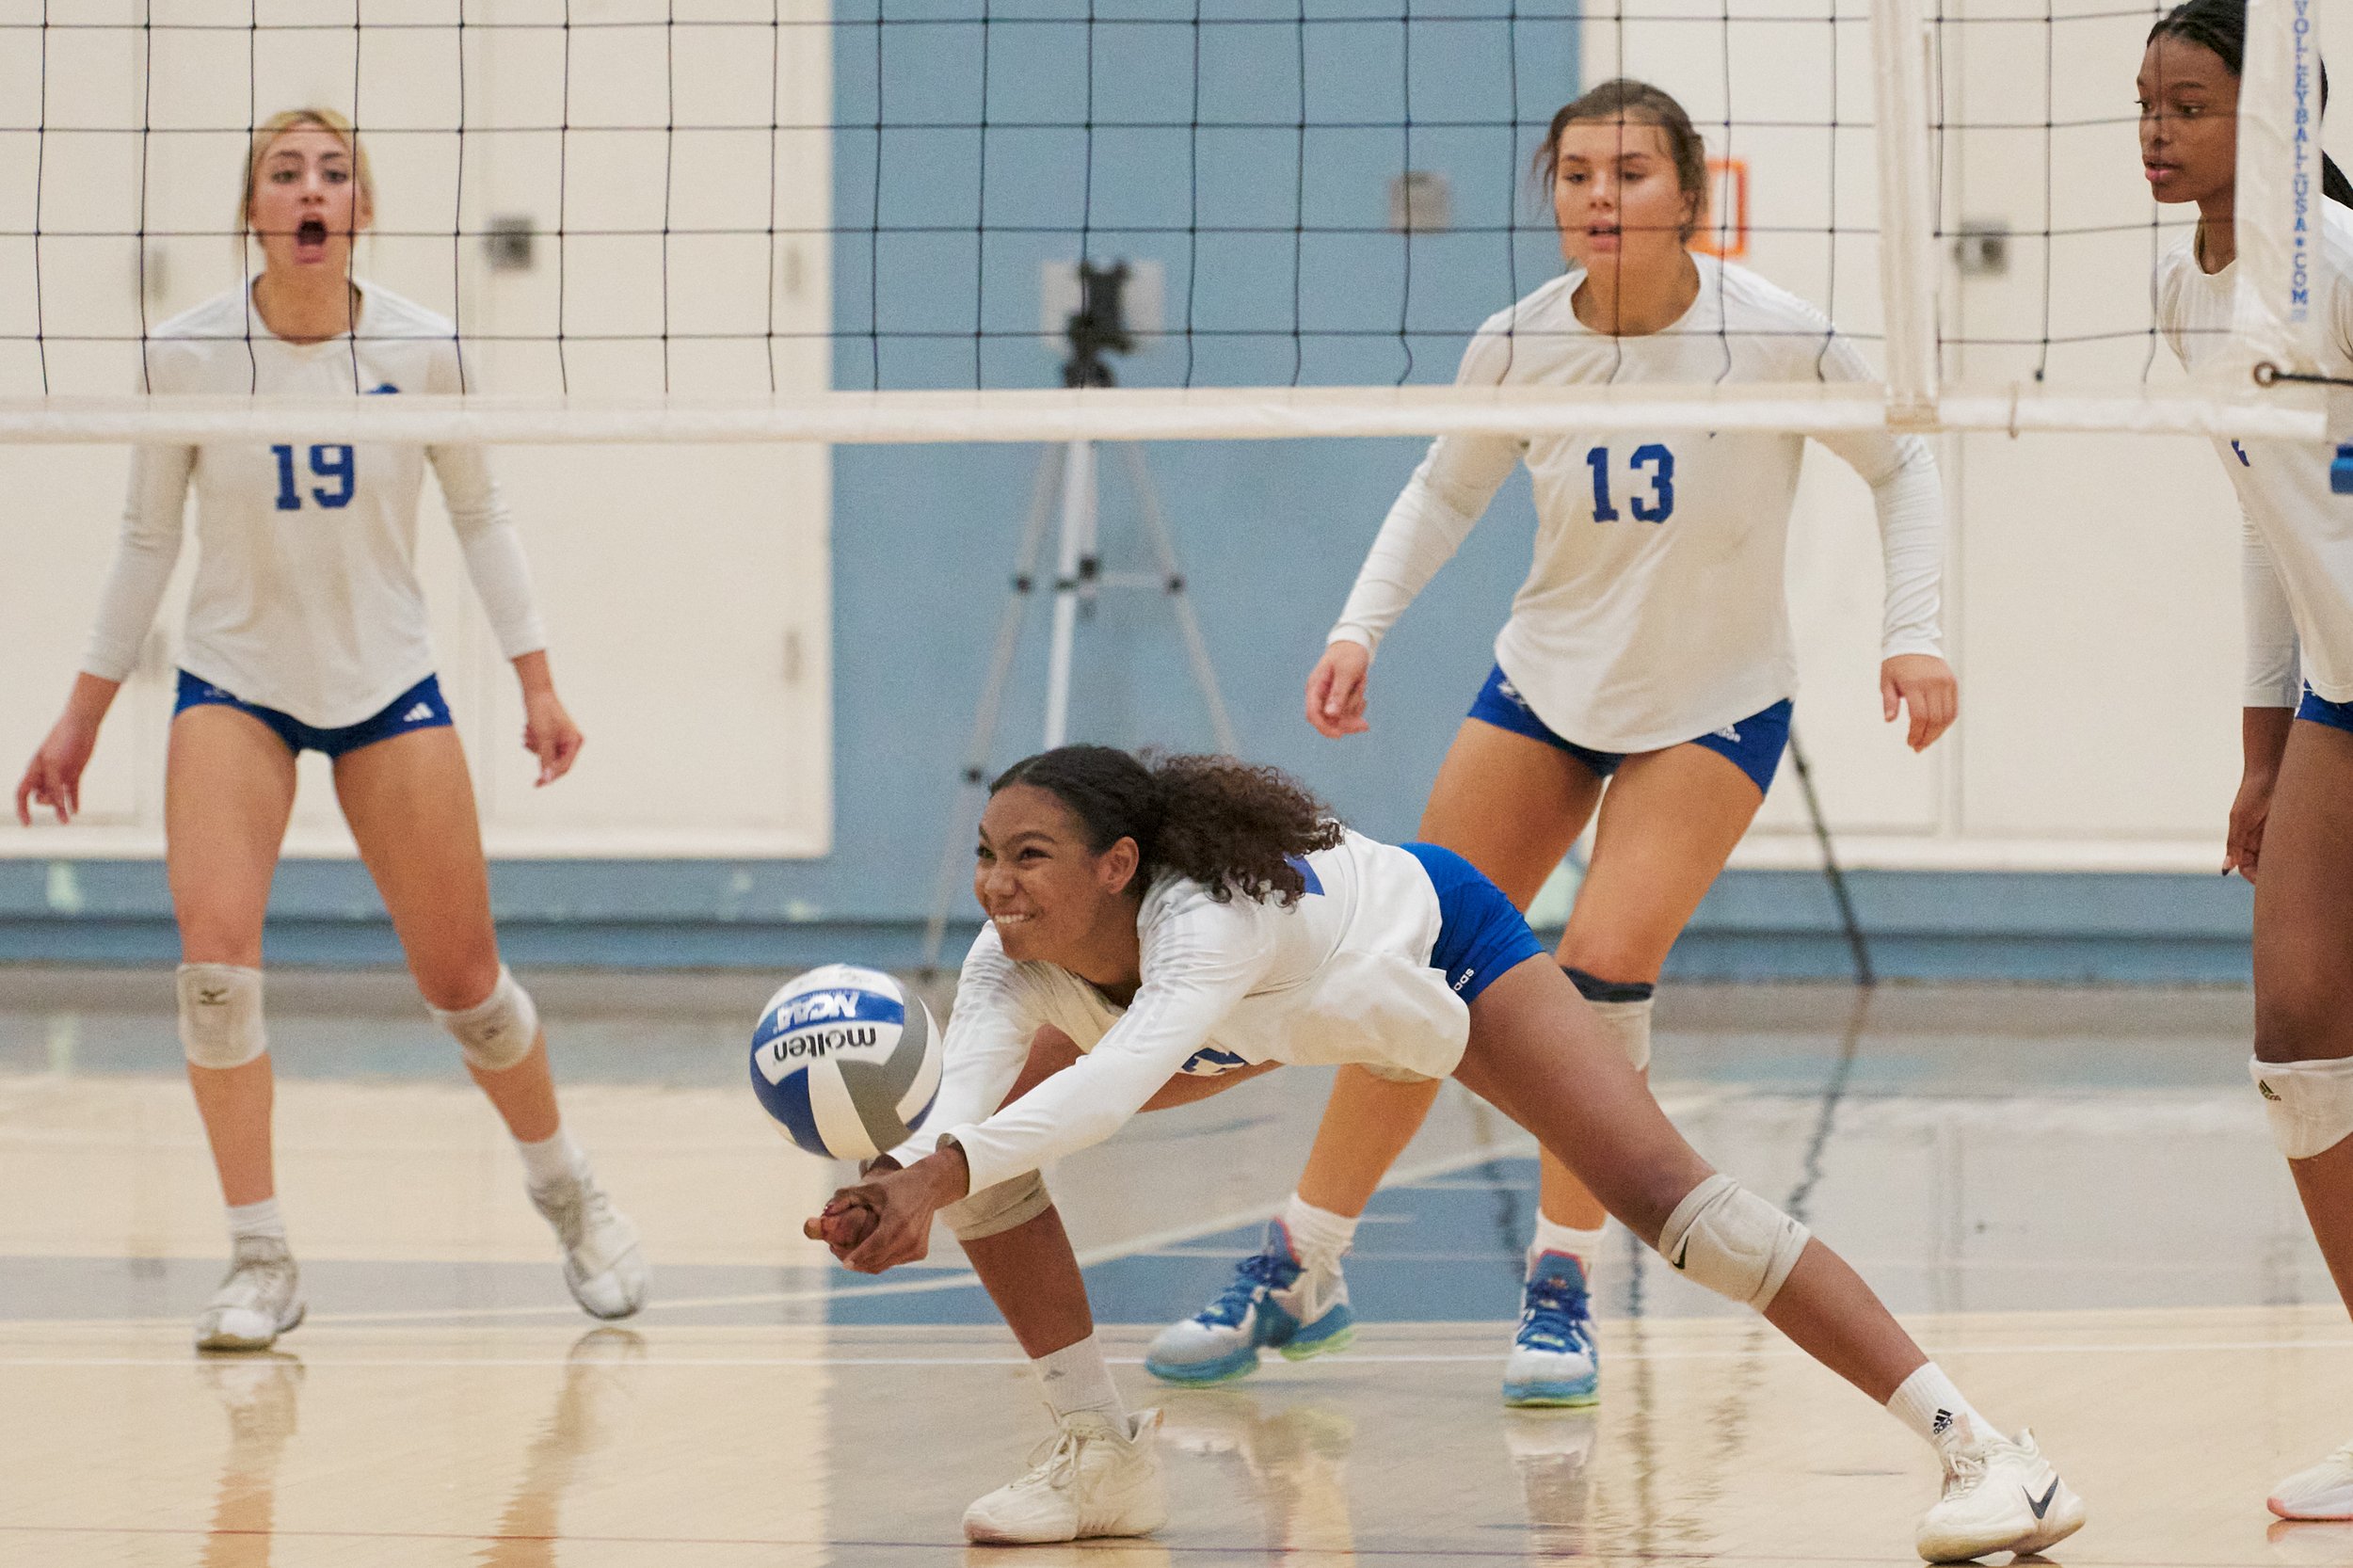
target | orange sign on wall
[{"x": 1724, "y": 231}]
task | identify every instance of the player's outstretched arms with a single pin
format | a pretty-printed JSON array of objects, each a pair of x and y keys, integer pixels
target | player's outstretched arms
[
  {"x": 1336, "y": 690},
  {"x": 1923, "y": 685},
  {"x": 2263, "y": 738},
  {"x": 549, "y": 732},
  {"x": 886, "y": 1221},
  {"x": 54, "y": 776}
]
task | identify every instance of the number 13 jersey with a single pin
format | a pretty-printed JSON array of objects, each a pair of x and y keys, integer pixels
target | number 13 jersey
[
  {"x": 1656, "y": 610},
  {"x": 306, "y": 597}
]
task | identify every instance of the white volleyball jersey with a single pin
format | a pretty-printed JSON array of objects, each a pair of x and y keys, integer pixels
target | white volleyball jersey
[
  {"x": 1656, "y": 610},
  {"x": 1343, "y": 975},
  {"x": 2298, "y": 536},
  {"x": 305, "y": 597}
]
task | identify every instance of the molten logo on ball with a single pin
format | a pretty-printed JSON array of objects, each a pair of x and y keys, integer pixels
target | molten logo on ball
[{"x": 846, "y": 1061}]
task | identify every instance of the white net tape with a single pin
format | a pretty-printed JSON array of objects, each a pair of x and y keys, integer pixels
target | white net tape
[{"x": 730, "y": 220}]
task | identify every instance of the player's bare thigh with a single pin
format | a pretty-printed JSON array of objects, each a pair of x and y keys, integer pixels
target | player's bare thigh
[
  {"x": 228, "y": 790},
  {"x": 1669, "y": 822},
  {"x": 410, "y": 801},
  {"x": 2304, "y": 902},
  {"x": 1510, "y": 804}
]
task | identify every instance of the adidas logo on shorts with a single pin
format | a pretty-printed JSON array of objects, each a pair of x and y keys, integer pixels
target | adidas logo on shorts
[{"x": 417, "y": 714}]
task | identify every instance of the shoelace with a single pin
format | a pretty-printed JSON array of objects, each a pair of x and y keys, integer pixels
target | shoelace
[
  {"x": 572, "y": 1206},
  {"x": 1554, "y": 1318},
  {"x": 1055, "y": 1461},
  {"x": 255, "y": 1277},
  {"x": 1256, "y": 1275},
  {"x": 1966, "y": 1470}
]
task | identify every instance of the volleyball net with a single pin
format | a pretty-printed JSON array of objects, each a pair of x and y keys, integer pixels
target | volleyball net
[{"x": 913, "y": 220}]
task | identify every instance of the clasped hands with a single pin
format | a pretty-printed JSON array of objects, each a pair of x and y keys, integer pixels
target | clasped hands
[{"x": 886, "y": 1219}]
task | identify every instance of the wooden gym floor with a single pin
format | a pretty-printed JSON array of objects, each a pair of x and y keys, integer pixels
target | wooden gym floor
[{"x": 2070, "y": 1195}]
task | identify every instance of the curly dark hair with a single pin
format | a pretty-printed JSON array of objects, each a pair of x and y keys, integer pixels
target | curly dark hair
[
  {"x": 1234, "y": 829},
  {"x": 2221, "y": 26}
]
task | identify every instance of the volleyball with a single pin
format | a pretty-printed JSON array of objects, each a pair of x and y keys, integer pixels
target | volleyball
[{"x": 846, "y": 1061}]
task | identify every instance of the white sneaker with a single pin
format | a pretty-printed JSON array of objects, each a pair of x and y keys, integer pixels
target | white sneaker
[
  {"x": 260, "y": 1299},
  {"x": 1094, "y": 1477},
  {"x": 603, "y": 1266},
  {"x": 2325, "y": 1491},
  {"x": 2000, "y": 1495}
]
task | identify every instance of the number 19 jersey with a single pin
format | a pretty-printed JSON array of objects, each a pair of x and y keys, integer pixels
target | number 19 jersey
[{"x": 306, "y": 597}]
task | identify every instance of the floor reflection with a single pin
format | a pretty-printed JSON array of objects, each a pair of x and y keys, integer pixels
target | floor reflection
[
  {"x": 1294, "y": 1460},
  {"x": 1552, "y": 1452},
  {"x": 2323, "y": 1544},
  {"x": 591, "y": 1407},
  {"x": 260, "y": 1394}
]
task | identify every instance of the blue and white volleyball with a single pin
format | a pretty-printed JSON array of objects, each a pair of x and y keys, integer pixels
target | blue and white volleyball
[{"x": 846, "y": 1061}]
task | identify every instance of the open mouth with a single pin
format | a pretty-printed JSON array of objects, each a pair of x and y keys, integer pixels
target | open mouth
[{"x": 311, "y": 234}]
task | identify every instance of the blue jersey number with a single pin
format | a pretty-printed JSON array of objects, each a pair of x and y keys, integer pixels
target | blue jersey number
[
  {"x": 327, "y": 462},
  {"x": 1651, "y": 457}
]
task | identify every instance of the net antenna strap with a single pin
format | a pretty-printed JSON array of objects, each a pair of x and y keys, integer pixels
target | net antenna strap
[
  {"x": 1909, "y": 264},
  {"x": 2276, "y": 212}
]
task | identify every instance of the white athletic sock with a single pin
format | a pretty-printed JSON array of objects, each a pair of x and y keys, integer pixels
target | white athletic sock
[
  {"x": 1930, "y": 1405},
  {"x": 1077, "y": 1378},
  {"x": 1583, "y": 1245},
  {"x": 256, "y": 1219},
  {"x": 1320, "y": 1235},
  {"x": 550, "y": 1160}
]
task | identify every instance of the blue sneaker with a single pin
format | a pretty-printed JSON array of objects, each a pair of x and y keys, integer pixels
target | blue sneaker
[
  {"x": 1553, "y": 1359},
  {"x": 1274, "y": 1302}
]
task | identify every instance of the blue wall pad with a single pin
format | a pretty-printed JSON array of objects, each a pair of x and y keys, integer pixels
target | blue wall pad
[{"x": 2120, "y": 928}]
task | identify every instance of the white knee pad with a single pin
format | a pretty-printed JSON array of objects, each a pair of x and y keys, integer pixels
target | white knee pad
[
  {"x": 1628, "y": 1024},
  {"x": 995, "y": 1209},
  {"x": 1623, "y": 1008},
  {"x": 220, "y": 1015},
  {"x": 2309, "y": 1103},
  {"x": 1733, "y": 1242},
  {"x": 497, "y": 1032}
]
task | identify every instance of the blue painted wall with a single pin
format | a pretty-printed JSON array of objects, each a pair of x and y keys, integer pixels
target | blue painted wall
[{"x": 1270, "y": 533}]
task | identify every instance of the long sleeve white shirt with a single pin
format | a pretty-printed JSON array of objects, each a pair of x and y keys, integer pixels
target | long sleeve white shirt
[
  {"x": 305, "y": 597},
  {"x": 1656, "y": 609},
  {"x": 1343, "y": 975},
  {"x": 2296, "y": 581}
]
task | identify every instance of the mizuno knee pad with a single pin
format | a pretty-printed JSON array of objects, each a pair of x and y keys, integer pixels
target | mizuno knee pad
[
  {"x": 1733, "y": 1242},
  {"x": 995, "y": 1209},
  {"x": 220, "y": 1015},
  {"x": 1623, "y": 1008},
  {"x": 2309, "y": 1103},
  {"x": 497, "y": 1032}
]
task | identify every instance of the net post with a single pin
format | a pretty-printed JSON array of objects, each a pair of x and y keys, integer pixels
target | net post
[{"x": 1908, "y": 269}]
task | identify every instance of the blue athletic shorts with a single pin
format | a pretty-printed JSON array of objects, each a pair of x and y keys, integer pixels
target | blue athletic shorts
[
  {"x": 1753, "y": 746},
  {"x": 2316, "y": 709},
  {"x": 1480, "y": 935},
  {"x": 418, "y": 708}
]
